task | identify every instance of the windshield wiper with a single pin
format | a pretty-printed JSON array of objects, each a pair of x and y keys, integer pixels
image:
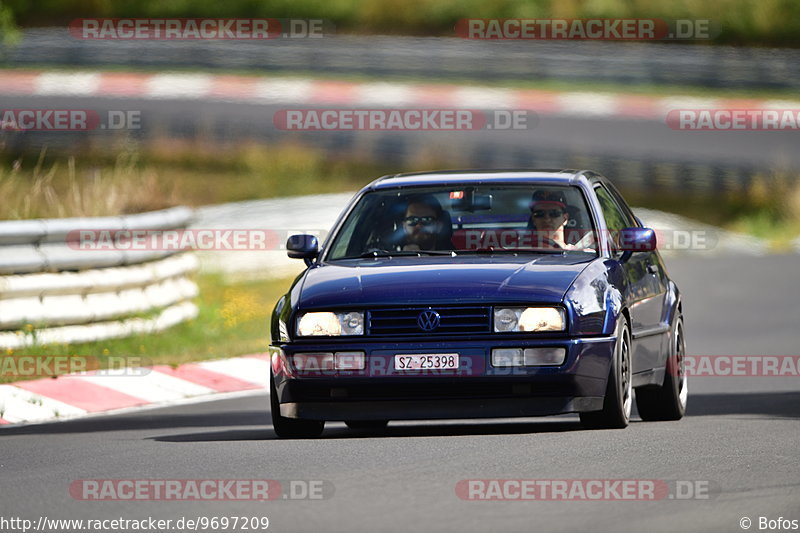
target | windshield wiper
[
  {"x": 514, "y": 251},
  {"x": 400, "y": 253}
]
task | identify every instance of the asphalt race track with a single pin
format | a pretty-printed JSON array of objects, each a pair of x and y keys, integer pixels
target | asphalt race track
[{"x": 739, "y": 439}]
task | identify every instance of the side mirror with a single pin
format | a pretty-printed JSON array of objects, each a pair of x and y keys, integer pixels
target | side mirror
[
  {"x": 302, "y": 247},
  {"x": 636, "y": 240}
]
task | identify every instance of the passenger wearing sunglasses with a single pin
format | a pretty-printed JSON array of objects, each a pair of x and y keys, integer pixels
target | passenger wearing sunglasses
[
  {"x": 548, "y": 218},
  {"x": 424, "y": 226}
]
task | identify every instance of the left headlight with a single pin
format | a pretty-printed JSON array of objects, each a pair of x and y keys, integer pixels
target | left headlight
[
  {"x": 329, "y": 324},
  {"x": 535, "y": 319}
]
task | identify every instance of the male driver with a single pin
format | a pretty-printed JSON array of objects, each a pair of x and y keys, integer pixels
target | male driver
[
  {"x": 424, "y": 226},
  {"x": 548, "y": 219}
]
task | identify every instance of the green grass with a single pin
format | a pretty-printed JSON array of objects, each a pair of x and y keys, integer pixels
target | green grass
[
  {"x": 780, "y": 234},
  {"x": 768, "y": 209},
  {"x": 233, "y": 320},
  {"x": 166, "y": 173},
  {"x": 751, "y": 22}
]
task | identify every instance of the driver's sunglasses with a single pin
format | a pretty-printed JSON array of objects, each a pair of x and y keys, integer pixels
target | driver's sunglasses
[
  {"x": 425, "y": 221},
  {"x": 552, "y": 213}
]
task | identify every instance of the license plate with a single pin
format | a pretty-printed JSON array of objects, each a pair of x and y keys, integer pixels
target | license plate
[{"x": 419, "y": 361}]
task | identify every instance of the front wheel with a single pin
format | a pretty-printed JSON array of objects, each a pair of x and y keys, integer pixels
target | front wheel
[
  {"x": 616, "y": 412},
  {"x": 290, "y": 427},
  {"x": 668, "y": 402}
]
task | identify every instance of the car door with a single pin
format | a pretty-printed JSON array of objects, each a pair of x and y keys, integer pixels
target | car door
[{"x": 646, "y": 289}]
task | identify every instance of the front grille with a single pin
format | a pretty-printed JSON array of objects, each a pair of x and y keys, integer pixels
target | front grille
[{"x": 452, "y": 321}]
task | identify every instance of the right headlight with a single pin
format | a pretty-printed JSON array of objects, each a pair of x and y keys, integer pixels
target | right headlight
[
  {"x": 328, "y": 324},
  {"x": 534, "y": 319}
]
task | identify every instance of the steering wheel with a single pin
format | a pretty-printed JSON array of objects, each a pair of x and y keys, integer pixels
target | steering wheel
[
  {"x": 375, "y": 250},
  {"x": 552, "y": 243}
]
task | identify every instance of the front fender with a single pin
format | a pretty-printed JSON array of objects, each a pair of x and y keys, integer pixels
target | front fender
[
  {"x": 282, "y": 312},
  {"x": 672, "y": 304},
  {"x": 595, "y": 300}
]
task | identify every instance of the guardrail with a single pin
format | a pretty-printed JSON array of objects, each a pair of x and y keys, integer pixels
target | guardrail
[
  {"x": 53, "y": 292},
  {"x": 440, "y": 57},
  {"x": 41, "y": 245}
]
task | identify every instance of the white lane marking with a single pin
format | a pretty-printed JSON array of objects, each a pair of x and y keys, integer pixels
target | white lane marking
[
  {"x": 588, "y": 104},
  {"x": 153, "y": 387},
  {"x": 77, "y": 84},
  {"x": 384, "y": 95},
  {"x": 244, "y": 368},
  {"x": 182, "y": 86},
  {"x": 283, "y": 91},
  {"x": 220, "y": 396},
  {"x": 672, "y": 103},
  {"x": 781, "y": 104},
  {"x": 19, "y": 405},
  {"x": 484, "y": 98}
]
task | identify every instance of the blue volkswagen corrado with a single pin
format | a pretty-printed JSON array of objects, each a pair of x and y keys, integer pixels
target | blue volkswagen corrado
[{"x": 467, "y": 294}]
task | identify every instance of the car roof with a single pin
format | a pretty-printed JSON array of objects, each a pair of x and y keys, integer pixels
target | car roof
[{"x": 479, "y": 177}]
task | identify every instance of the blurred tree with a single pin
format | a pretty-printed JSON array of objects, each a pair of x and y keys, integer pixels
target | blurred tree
[
  {"x": 9, "y": 34},
  {"x": 740, "y": 22}
]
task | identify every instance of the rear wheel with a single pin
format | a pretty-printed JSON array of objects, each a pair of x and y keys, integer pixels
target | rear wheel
[
  {"x": 616, "y": 412},
  {"x": 291, "y": 427},
  {"x": 668, "y": 402},
  {"x": 366, "y": 424}
]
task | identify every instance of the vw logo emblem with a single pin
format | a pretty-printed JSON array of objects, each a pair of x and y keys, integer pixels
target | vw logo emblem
[{"x": 428, "y": 320}]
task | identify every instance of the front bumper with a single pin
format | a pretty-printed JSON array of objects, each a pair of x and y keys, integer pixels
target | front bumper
[{"x": 475, "y": 390}]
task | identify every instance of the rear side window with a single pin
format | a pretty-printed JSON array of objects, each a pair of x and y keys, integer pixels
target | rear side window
[
  {"x": 626, "y": 210},
  {"x": 616, "y": 217}
]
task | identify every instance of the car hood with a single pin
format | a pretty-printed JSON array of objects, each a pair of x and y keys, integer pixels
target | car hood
[{"x": 440, "y": 280}]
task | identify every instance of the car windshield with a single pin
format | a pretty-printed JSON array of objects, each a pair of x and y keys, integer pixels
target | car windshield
[{"x": 460, "y": 220}]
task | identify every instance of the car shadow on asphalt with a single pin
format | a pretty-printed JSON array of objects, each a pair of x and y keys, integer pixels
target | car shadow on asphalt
[
  {"x": 779, "y": 405},
  {"x": 255, "y": 424},
  {"x": 424, "y": 429}
]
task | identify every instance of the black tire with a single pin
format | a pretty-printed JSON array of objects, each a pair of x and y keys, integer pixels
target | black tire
[
  {"x": 366, "y": 424},
  {"x": 668, "y": 402},
  {"x": 291, "y": 428},
  {"x": 616, "y": 412}
]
